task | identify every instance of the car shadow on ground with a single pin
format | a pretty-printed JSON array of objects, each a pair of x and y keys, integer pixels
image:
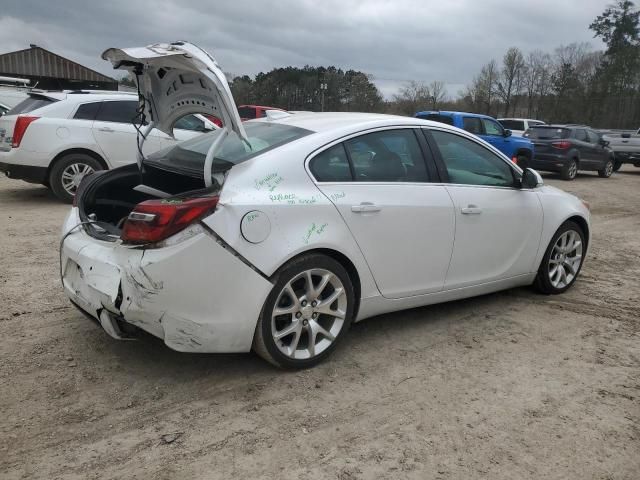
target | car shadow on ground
[
  {"x": 149, "y": 358},
  {"x": 29, "y": 194}
]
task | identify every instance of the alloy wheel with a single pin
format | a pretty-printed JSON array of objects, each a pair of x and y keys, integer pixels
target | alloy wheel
[
  {"x": 309, "y": 314},
  {"x": 608, "y": 169},
  {"x": 73, "y": 174},
  {"x": 573, "y": 169},
  {"x": 565, "y": 259}
]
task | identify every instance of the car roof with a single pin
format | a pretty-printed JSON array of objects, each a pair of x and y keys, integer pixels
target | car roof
[
  {"x": 331, "y": 121},
  {"x": 84, "y": 95},
  {"x": 520, "y": 119},
  {"x": 449, "y": 112}
]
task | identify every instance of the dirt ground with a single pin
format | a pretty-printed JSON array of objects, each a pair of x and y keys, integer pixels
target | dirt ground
[{"x": 512, "y": 385}]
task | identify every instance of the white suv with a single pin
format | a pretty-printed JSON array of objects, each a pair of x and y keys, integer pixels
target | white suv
[
  {"x": 56, "y": 138},
  {"x": 519, "y": 125}
]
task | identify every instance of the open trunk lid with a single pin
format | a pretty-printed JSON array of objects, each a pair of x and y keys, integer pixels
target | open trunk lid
[{"x": 177, "y": 79}]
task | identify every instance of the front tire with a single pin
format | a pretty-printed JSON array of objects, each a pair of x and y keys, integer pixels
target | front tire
[
  {"x": 306, "y": 314},
  {"x": 563, "y": 260},
  {"x": 67, "y": 173},
  {"x": 570, "y": 170},
  {"x": 607, "y": 170}
]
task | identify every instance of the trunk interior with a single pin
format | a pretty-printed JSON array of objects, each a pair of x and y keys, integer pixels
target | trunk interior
[{"x": 110, "y": 196}]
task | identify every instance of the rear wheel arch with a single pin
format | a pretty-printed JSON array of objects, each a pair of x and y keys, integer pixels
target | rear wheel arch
[
  {"x": 343, "y": 260},
  {"x": 69, "y": 151}
]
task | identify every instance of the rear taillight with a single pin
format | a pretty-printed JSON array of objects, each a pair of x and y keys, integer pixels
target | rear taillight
[
  {"x": 561, "y": 145},
  {"x": 22, "y": 122},
  {"x": 156, "y": 220}
]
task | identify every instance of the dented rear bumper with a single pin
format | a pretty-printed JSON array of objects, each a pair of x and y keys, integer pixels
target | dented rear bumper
[{"x": 195, "y": 295}]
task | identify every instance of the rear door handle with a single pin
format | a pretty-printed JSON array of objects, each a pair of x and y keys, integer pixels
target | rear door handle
[
  {"x": 365, "y": 207},
  {"x": 106, "y": 129},
  {"x": 471, "y": 210}
]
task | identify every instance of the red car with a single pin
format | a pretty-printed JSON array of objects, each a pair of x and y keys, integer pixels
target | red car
[{"x": 247, "y": 112}]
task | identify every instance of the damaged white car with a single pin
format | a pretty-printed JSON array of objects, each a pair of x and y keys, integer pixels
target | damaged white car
[{"x": 276, "y": 234}]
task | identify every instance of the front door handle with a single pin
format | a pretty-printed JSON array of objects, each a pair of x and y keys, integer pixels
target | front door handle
[
  {"x": 106, "y": 129},
  {"x": 365, "y": 207},
  {"x": 471, "y": 210}
]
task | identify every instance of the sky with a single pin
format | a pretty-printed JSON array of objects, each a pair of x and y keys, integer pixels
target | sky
[{"x": 394, "y": 40}]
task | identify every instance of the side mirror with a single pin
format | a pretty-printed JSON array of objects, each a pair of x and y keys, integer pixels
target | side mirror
[
  {"x": 531, "y": 179},
  {"x": 603, "y": 142},
  {"x": 507, "y": 132}
]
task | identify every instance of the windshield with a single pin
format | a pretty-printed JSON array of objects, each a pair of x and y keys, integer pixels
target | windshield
[
  {"x": 189, "y": 156},
  {"x": 547, "y": 133}
]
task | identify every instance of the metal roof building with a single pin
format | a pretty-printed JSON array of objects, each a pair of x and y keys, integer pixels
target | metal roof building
[{"x": 49, "y": 71}]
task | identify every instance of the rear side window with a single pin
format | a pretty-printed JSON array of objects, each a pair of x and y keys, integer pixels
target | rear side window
[
  {"x": 120, "y": 111},
  {"x": 547, "y": 133},
  {"x": 387, "y": 156},
  {"x": 87, "y": 111},
  {"x": 30, "y": 104},
  {"x": 472, "y": 125},
  {"x": 469, "y": 163},
  {"x": 435, "y": 117},
  {"x": 332, "y": 165},
  {"x": 513, "y": 124}
]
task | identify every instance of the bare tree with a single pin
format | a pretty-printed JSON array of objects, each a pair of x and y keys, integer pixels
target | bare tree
[
  {"x": 510, "y": 77},
  {"x": 485, "y": 86},
  {"x": 412, "y": 97},
  {"x": 438, "y": 93}
]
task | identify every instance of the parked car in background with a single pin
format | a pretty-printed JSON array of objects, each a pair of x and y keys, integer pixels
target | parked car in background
[
  {"x": 626, "y": 148},
  {"x": 519, "y": 125},
  {"x": 56, "y": 138},
  {"x": 570, "y": 148},
  {"x": 276, "y": 234},
  {"x": 249, "y": 112},
  {"x": 519, "y": 150}
]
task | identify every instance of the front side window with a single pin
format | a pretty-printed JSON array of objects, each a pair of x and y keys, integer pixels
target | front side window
[
  {"x": 593, "y": 136},
  {"x": 87, "y": 111},
  {"x": 469, "y": 163},
  {"x": 472, "y": 125},
  {"x": 581, "y": 135},
  {"x": 492, "y": 128},
  {"x": 332, "y": 165},
  {"x": 119, "y": 111},
  {"x": 387, "y": 156}
]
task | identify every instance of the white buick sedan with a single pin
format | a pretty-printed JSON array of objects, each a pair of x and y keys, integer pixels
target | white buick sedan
[{"x": 276, "y": 234}]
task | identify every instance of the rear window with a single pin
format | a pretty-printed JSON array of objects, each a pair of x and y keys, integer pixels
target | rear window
[
  {"x": 512, "y": 124},
  {"x": 247, "y": 112},
  {"x": 435, "y": 117},
  {"x": 30, "y": 104},
  {"x": 189, "y": 156},
  {"x": 547, "y": 133}
]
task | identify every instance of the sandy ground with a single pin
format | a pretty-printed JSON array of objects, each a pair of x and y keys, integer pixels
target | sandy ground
[{"x": 513, "y": 385}]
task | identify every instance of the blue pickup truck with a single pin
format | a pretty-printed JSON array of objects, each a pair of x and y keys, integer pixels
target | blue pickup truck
[{"x": 518, "y": 149}]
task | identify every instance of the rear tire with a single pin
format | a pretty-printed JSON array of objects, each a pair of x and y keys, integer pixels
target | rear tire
[
  {"x": 562, "y": 261},
  {"x": 68, "y": 171},
  {"x": 313, "y": 316},
  {"x": 607, "y": 170},
  {"x": 570, "y": 170}
]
